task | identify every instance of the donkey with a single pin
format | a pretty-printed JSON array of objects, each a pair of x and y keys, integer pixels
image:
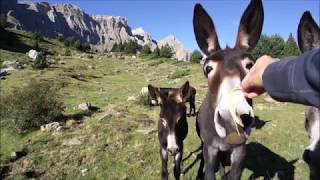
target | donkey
[
  {"x": 191, "y": 97},
  {"x": 172, "y": 126},
  {"x": 308, "y": 39},
  {"x": 224, "y": 69}
]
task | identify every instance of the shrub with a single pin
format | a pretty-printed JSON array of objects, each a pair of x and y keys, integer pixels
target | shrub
[
  {"x": 143, "y": 97},
  {"x": 69, "y": 41},
  {"x": 30, "y": 106},
  {"x": 67, "y": 52},
  {"x": 85, "y": 47},
  {"x": 131, "y": 47},
  {"x": 77, "y": 44},
  {"x": 146, "y": 49},
  {"x": 165, "y": 51},
  {"x": 156, "y": 52},
  {"x": 37, "y": 36},
  {"x": 60, "y": 38},
  {"x": 179, "y": 73},
  {"x": 196, "y": 56},
  {"x": 40, "y": 62},
  {"x": 3, "y": 21}
]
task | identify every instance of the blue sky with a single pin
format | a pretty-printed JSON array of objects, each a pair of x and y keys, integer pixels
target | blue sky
[{"x": 164, "y": 17}]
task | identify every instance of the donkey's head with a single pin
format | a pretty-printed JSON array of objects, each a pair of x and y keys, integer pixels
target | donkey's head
[
  {"x": 172, "y": 116},
  {"x": 225, "y": 68},
  {"x": 308, "y": 39}
]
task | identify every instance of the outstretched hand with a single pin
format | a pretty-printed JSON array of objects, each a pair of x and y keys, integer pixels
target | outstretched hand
[{"x": 252, "y": 84}]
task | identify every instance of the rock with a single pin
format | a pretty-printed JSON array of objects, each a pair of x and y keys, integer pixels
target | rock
[
  {"x": 91, "y": 67},
  {"x": 131, "y": 98},
  {"x": 6, "y": 71},
  {"x": 52, "y": 127},
  {"x": 84, "y": 106},
  {"x": 146, "y": 131},
  {"x": 144, "y": 91},
  {"x": 70, "y": 123},
  {"x": 144, "y": 38},
  {"x": 71, "y": 142},
  {"x": 84, "y": 171},
  {"x": 133, "y": 57},
  {"x": 16, "y": 155},
  {"x": 105, "y": 116},
  {"x": 7, "y": 64},
  {"x": 33, "y": 54},
  {"x": 62, "y": 62},
  {"x": 68, "y": 20},
  {"x": 179, "y": 51}
]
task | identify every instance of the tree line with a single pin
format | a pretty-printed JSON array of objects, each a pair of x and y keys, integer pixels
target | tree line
[{"x": 132, "y": 47}]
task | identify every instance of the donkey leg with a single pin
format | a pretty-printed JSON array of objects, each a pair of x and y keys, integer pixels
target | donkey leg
[
  {"x": 237, "y": 157},
  {"x": 178, "y": 164},
  {"x": 210, "y": 158},
  {"x": 164, "y": 163},
  {"x": 200, "y": 173}
]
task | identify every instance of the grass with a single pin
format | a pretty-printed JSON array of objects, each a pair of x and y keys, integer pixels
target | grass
[{"x": 113, "y": 148}]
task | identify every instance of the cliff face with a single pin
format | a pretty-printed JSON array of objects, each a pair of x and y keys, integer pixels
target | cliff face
[
  {"x": 102, "y": 32},
  {"x": 180, "y": 52}
]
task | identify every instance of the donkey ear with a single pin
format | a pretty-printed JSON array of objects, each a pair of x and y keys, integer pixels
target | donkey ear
[
  {"x": 250, "y": 25},
  {"x": 308, "y": 33},
  {"x": 204, "y": 30},
  {"x": 183, "y": 92},
  {"x": 155, "y": 94}
]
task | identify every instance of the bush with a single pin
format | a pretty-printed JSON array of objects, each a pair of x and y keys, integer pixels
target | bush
[
  {"x": 146, "y": 49},
  {"x": 179, "y": 74},
  {"x": 69, "y": 42},
  {"x": 196, "y": 56},
  {"x": 131, "y": 47},
  {"x": 3, "y": 21},
  {"x": 60, "y": 38},
  {"x": 67, "y": 52},
  {"x": 85, "y": 47},
  {"x": 77, "y": 44},
  {"x": 40, "y": 62},
  {"x": 165, "y": 51},
  {"x": 37, "y": 36},
  {"x": 156, "y": 52},
  {"x": 144, "y": 97},
  {"x": 30, "y": 106}
]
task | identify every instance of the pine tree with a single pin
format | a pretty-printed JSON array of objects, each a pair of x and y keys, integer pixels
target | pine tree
[
  {"x": 196, "y": 56},
  {"x": 291, "y": 48}
]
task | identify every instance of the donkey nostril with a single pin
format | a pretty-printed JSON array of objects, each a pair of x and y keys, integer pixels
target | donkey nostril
[
  {"x": 306, "y": 156},
  {"x": 246, "y": 119}
]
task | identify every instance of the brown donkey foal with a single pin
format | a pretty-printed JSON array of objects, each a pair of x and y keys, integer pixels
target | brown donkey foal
[
  {"x": 308, "y": 39},
  {"x": 191, "y": 97},
  {"x": 172, "y": 126},
  {"x": 225, "y": 68}
]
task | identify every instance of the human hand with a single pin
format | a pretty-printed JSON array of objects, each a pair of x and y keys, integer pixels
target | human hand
[{"x": 252, "y": 84}]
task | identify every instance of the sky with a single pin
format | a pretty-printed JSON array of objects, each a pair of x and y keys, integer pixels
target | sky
[{"x": 164, "y": 17}]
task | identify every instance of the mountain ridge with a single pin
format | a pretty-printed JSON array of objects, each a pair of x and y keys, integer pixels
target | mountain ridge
[{"x": 101, "y": 31}]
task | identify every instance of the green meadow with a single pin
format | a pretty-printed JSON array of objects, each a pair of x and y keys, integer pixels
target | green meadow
[{"x": 125, "y": 145}]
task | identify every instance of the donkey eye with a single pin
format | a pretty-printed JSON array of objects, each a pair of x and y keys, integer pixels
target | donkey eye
[
  {"x": 208, "y": 69},
  {"x": 249, "y": 65}
]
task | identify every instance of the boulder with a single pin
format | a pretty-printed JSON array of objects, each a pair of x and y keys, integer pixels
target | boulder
[
  {"x": 33, "y": 54},
  {"x": 84, "y": 106},
  {"x": 131, "y": 98},
  {"x": 71, "y": 142},
  {"x": 52, "y": 127}
]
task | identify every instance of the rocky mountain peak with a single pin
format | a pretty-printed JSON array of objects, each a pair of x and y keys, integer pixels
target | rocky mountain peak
[
  {"x": 101, "y": 31},
  {"x": 180, "y": 52}
]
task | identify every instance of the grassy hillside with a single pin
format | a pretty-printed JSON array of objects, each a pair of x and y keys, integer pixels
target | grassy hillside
[{"x": 114, "y": 148}]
